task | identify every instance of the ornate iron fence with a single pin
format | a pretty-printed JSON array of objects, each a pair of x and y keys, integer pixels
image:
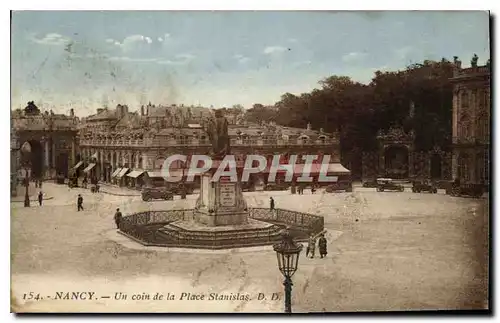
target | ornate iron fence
[{"x": 144, "y": 226}]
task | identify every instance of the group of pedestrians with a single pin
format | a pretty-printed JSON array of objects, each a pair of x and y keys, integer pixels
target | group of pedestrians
[
  {"x": 301, "y": 189},
  {"x": 311, "y": 246}
]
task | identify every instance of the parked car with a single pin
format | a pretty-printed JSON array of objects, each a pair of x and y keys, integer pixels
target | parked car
[
  {"x": 423, "y": 186},
  {"x": 339, "y": 186},
  {"x": 180, "y": 188},
  {"x": 371, "y": 183},
  {"x": 387, "y": 184},
  {"x": 472, "y": 190},
  {"x": 157, "y": 193},
  {"x": 276, "y": 187}
]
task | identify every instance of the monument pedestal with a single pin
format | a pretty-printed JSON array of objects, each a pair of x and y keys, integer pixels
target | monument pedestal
[{"x": 220, "y": 202}]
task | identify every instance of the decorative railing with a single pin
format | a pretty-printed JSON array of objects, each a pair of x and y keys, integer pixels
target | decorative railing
[
  {"x": 144, "y": 227},
  {"x": 471, "y": 140},
  {"x": 472, "y": 71},
  {"x": 312, "y": 222},
  {"x": 196, "y": 143}
]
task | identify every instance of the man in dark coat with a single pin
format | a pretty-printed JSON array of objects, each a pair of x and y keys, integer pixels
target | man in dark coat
[
  {"x": 79, "y": 202},
  {"x": 40, "y": 198},
  {"x": 118, "y": 218},
  {"x": 322, "y": 246},
  {"x": 271, "y": 204}
]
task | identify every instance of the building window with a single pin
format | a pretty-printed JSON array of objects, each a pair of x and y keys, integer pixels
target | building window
[
  {"x": 482, "y": 126},
  {"x": 464, "y": 127},
  {"x": 463, "y": 167},
  {"x": 486, "y": 163},
  {"x": 480, "y": 167},
  {"x": 464, "y": 99}
]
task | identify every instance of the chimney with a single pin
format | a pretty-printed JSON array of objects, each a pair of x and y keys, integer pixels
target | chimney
[
  {"x": 308, "y": 126},
  {"x": 142, "y": 110},
  {"x": 72, "y": 113}
]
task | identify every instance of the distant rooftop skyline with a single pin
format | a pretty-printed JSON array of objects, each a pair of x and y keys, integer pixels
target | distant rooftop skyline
[{"x": 85, "y": 60}]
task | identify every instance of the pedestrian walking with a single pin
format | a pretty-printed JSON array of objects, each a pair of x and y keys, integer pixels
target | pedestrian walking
[
  {"x": 40, "y": 198},
  {"x": 271, "y": 204},
  {"x": 311, "y": 246},
  {"x": 79, "y": 202},
  {"x": 118, "y": 218},
  {"x": 322, "y": 246}
]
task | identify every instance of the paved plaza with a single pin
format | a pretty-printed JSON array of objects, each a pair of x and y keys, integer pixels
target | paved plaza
[{"x": 386, "y": 251}]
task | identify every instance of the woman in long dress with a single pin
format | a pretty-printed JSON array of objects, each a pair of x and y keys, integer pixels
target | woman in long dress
[{"x": 322, "y": 246}]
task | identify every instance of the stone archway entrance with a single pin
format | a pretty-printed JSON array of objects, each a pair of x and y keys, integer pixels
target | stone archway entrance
[
  {"x": 435, "y": 166},
  {"x": 37, "y": 163},
  {"x": 396, "y": 162}
]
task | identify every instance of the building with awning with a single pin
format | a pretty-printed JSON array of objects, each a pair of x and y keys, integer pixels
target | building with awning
[
  {"x": 155, "y": 174},
  {"x": 136, "y": 178},
  {"x": 78, "y": 165},
  {"x": 89, "y": 168},
  {"x": 122, "y": 172},
  {"x": 135, "y": 173},
  {"x": 116, "y": 172}
]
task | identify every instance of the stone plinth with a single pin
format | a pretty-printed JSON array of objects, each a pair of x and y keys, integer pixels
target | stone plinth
[
  {"x": 220, "y": 203},
  {"x": 198, "y": 235}
]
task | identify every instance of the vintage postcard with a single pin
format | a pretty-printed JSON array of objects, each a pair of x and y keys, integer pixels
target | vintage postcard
[{"x": 249, "y": 162}]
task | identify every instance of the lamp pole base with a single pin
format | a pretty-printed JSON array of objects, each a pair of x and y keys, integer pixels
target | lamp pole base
[
  {"x": 26, "y": 198},
  {"x": 288, "y": 294}
]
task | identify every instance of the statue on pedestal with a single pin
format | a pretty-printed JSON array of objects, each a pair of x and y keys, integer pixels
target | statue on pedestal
[
  {"x": 474, "y": 60},
  {"x": 217, "y": 130}
]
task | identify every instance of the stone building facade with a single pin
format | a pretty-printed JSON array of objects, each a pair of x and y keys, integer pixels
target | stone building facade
[
  {"x": 397, "y": 158},
  {"x": 471, "y": 123},
  {"x": 141, "y": 141},
  {"x": 53, "y": 139}
]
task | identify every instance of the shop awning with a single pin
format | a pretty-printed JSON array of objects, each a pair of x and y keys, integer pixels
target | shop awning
[
  {"x": 116, "y": 172},
  {"x": 155, "y": 174},
  {"x": 89, "y": 168},
  {"x": 135, "y": 173},
  {"x": 337, "y": 168},
  {"x": 333, "y": 169},
  {"x": 122, "y": 172},
  {"x": 78, "y": 165}
]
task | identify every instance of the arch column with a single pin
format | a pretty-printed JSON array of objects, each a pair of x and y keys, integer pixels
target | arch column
[{"x": 46, "y": 153}]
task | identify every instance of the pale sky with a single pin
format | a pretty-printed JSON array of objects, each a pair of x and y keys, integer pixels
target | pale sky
[{"x": 86, "y": 59}]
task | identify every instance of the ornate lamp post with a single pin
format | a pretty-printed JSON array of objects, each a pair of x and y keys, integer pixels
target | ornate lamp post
[
  {"x": 25, "y": 155},
  {"x": 287, "y": 252}
]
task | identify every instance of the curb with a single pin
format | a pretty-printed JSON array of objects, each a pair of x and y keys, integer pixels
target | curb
[
  {"x": 117, "y": 194},
  {"x": 36, "y": 200}
]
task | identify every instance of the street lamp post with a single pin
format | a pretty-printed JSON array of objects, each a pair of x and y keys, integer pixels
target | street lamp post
[
  {"x": 287, "y": 252},
  {"x": 26, "y": 154}
]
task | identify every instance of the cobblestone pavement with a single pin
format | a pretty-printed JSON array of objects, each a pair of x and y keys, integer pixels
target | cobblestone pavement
[
  {"x": 397, "y": 251},
  {"x": 32, "y": 192}
]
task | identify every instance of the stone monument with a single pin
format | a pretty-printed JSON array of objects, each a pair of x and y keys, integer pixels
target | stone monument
[{"x": 221, "y": 202}]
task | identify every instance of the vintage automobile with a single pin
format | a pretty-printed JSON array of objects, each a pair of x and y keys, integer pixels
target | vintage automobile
[
  {"x": 159, "y": 193},
  {"x": 371, "y": 183},
  {"x": 472, "y": 190},
  {"x": 181, "y": 188},
  {"x": 423, "y": 186},
  {"x": 276, "y": 187},
  {"x": 387, "y": 184},
  {"x": 339, "y": 186}
]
